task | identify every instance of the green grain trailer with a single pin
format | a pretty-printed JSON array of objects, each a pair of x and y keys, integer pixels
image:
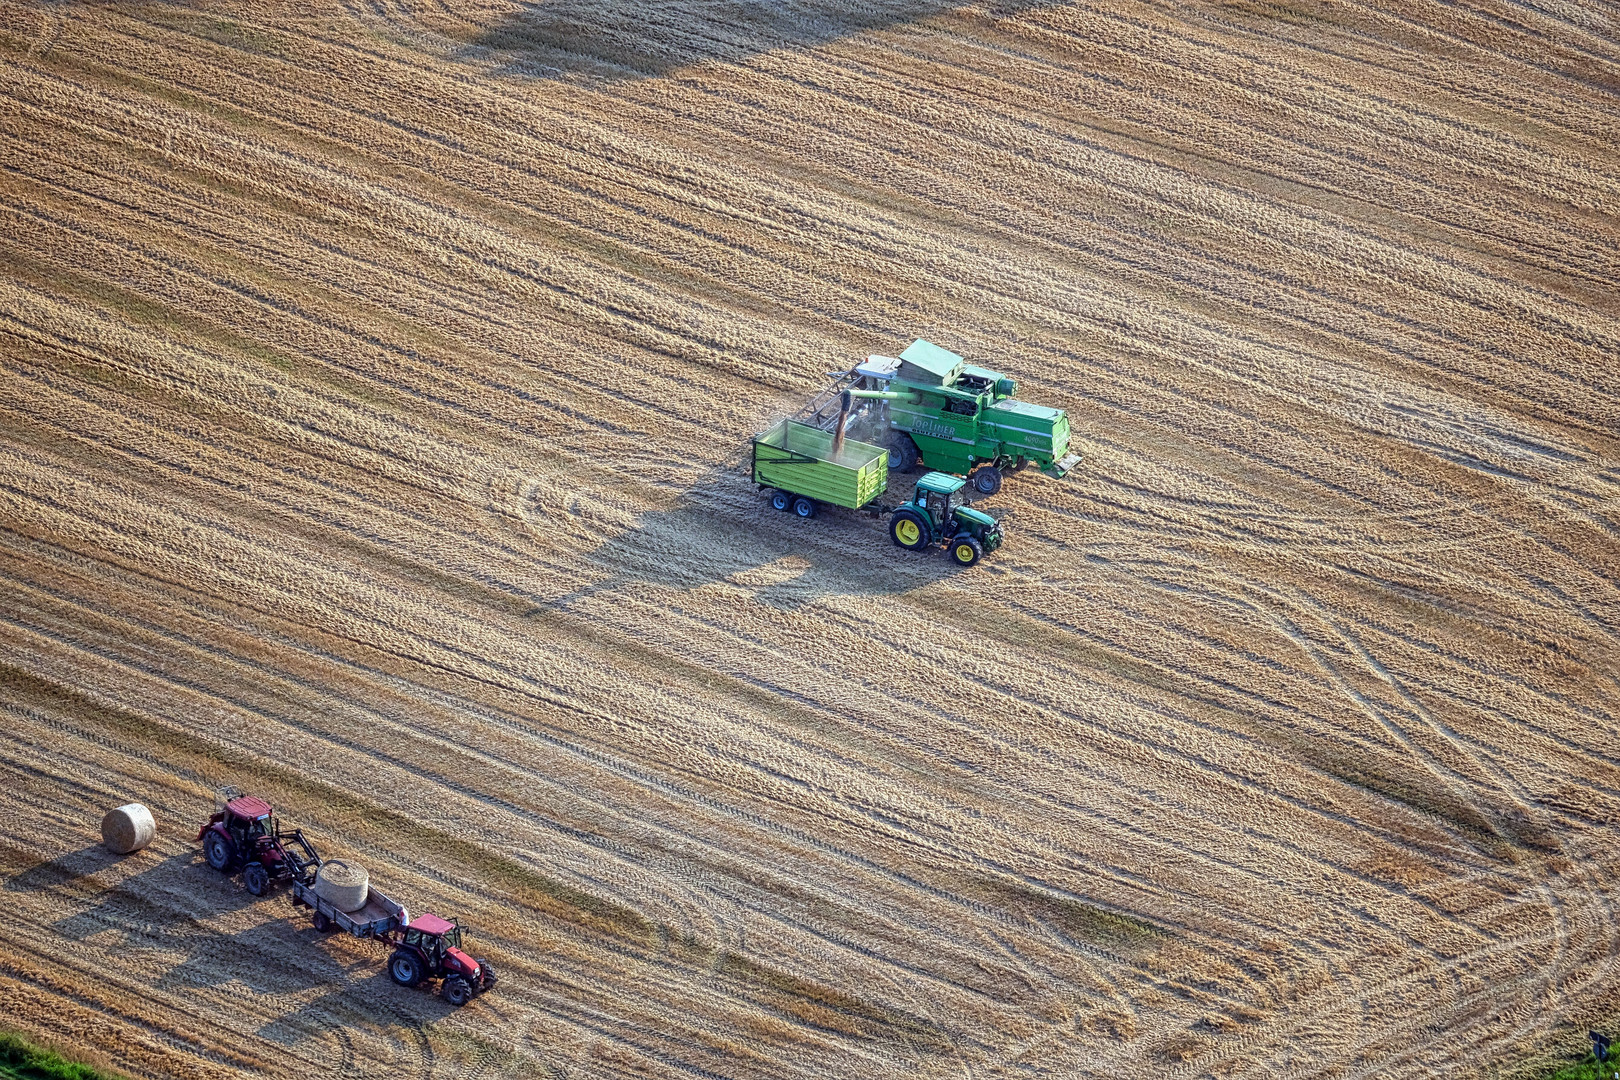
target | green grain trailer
[{"x": 798, "y": 462}]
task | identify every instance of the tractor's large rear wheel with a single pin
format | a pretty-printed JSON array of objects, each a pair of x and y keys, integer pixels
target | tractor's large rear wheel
[
  {"x": 456, "y": 990},
  {"x": 218, "y": 851},
  {"x": 404, "y": 968},
  {"x": 903, "y": 453},
  {"x": 255, "y": 878},
  {"x": 909, "y": 530}
]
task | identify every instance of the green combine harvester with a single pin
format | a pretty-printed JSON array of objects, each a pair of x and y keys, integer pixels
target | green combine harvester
[
  {"x": 805, "y": 467},
  {"x": 933, "y": 408}
]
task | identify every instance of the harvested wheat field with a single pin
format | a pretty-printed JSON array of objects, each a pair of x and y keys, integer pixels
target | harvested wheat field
[{"x": 376, "y": 389}]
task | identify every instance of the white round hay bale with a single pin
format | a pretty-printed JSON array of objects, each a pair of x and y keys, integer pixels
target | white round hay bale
[
  {"x": 344, "y": 885},
  {"x": 128, "y": 828}
]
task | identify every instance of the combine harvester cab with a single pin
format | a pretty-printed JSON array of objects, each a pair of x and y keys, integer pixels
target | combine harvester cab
[{"x": 953, "y": 417}]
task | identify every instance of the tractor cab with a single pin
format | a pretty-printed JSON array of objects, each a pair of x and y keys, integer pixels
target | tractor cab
[
  {"x": 940, "y": 496},
  {"x": 433, "y": 935},
  {"x": 248, "y": 819}
]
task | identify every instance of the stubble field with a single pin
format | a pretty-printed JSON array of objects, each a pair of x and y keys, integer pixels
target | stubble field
[{"x": 375, "y": 383}]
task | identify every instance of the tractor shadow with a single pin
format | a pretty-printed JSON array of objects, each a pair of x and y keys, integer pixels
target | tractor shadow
[
  {"x": 369, "y": 1000},
  {"x": 615, "y": 40},
  {"x": 723, "y": 532}
]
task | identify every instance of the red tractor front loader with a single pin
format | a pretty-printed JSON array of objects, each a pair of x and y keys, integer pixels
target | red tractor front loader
[{"x": 245, "y": 836}]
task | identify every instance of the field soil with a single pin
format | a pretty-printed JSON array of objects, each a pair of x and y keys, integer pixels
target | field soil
[{"x": 375, "y": 385}]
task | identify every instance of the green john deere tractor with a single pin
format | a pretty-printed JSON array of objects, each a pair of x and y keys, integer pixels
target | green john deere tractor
[{"x": 938, "y": 516}]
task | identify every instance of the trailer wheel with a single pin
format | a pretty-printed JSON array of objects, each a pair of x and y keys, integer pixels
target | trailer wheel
[
  {"x": 781, "y": 500},
  {"x": 908, "y": 530},
  {"x": 404, "y": 968},
  {"x": 255, "y": 878},
  {"x": 218, "y": 851},
  {"x": 987, "y": 481},
  {"x": 966, "y": 550},
  {"x": 456, "y": 990},
  {"x": 903, "y": 453},
  {"x": 322, "y": 923},
  {"x": 803, "y": 507}
]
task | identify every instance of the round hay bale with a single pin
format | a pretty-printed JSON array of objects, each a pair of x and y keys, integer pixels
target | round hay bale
[
  {"x": 128, "y": 828},
  {"x": 344, "y": 885}
]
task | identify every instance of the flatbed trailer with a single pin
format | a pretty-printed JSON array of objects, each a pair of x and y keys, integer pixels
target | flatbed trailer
[{"x": 379, "y": 918}]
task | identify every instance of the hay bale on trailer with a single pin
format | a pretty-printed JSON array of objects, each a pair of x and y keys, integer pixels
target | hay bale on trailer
[
  {"x": 344, "y": 885},
  {"x": 128, "y": 829}
]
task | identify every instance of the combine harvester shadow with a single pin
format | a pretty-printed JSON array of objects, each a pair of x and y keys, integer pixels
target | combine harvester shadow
[
  {"x": 723, "y": 533},
  {"x": 608, "y": 41}
]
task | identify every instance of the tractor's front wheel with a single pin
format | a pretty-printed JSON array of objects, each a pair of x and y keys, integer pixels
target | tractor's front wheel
[
  {"x": 255, "y": 878},
  {"x": 966, "y": 550},
  {"x": 457, "y": 991},
  {"x": 908, "y": 530},
  {"x": 486, "y": 974},
  {"x": 987, "y": 481},
  {"x": 217, "y": 850},
  {"x": 404, "y": 968},
  {"x": 781, "y": 500},
  {"x": 903, "y": 453}
]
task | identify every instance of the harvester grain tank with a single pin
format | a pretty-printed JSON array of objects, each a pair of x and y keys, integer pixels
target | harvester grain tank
[{"x": 942, "y": 412}]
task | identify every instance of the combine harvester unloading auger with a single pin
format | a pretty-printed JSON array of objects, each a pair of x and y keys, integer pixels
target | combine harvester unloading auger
[{"x": 244, "y": 835}]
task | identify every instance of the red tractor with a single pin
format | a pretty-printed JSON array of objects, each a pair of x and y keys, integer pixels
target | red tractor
[
  {"x": 246, "y": 836},
  {"x": 430, "y": 948}
]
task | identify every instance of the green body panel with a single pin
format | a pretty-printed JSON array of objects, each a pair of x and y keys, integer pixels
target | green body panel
[
  {"x": 798, "y": 458},
  {"x": 959, "y": 415}
]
